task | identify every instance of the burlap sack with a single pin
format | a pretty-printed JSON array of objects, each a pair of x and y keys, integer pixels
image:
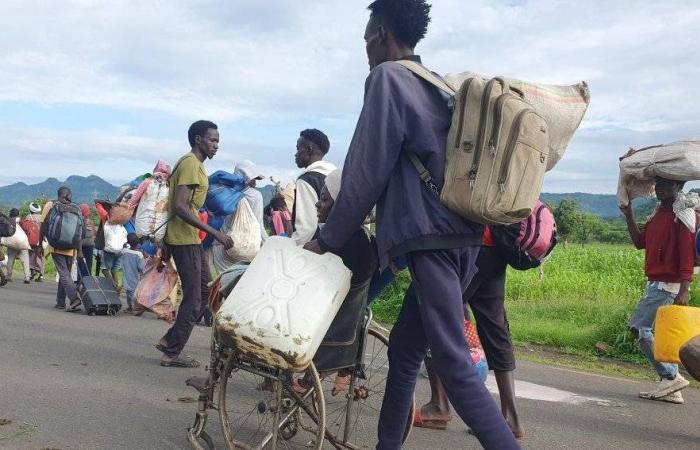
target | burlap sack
[
  {"x": 677, "y": 161},
  {"x": 562, "y": 107}
]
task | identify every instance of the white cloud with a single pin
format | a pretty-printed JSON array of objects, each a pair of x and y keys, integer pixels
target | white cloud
[{"x": 270, "y": 62}]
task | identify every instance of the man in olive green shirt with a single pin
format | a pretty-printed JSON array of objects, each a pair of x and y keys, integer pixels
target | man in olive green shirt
[{"x": 188, "y": 191}]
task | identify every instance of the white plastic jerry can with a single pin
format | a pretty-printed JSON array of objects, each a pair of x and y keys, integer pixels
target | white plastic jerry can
[{"x": 283, "y": 305}]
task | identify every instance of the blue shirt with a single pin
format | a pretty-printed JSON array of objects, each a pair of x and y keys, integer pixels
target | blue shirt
[{"x": 132, "y": 265}]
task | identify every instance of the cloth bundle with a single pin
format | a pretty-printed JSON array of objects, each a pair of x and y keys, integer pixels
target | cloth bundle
[
  {"x": 676, "y": 161},
  {"x": 154, "y": 290},
  {"x": 562, "y": 107}
]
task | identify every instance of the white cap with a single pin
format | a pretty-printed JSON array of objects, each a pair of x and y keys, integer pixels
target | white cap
[
  {"x": 249, "y": 170},
  {"x": 34, "y": 208}
]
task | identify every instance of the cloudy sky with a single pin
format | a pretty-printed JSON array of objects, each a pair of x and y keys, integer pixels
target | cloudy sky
[{"x": 107, "y": 87}]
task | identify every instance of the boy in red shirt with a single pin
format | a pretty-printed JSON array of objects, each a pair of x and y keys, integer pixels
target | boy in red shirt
[{"x": 668, "y": 264}]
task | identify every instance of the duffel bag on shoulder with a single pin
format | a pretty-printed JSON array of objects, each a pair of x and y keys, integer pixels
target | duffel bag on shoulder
[{"x": 499, "y": 144}]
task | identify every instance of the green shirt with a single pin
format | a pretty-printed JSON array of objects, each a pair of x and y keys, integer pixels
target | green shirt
[{"x": 189, "y": 171}]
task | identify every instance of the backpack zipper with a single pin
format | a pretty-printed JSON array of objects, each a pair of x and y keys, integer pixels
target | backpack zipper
[
  {"x": 485, "y": 100},
  {"x": 493, "y": 141},
  {"x": 510, "y": 147},
  {"x": 458, "y": 136}
]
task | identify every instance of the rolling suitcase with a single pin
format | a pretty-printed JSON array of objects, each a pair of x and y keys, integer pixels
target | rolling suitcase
[{"x": 99, "y": 296}]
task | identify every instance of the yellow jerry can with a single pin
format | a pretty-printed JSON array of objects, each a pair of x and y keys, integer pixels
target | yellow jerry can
[{"x": 674, "y": 326}]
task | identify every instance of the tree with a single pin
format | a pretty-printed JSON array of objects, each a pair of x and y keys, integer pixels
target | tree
[
  {"x": 566, "y": 214},
  {"x": 587, "y": 226}
]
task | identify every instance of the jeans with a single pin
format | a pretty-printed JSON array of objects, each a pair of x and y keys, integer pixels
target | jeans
[
  {"x": 642, "y": 320},
  {"x": 432, "y": 316},
  {"x": 130, "y": 298},
  {"x": 66, "y": 286}
]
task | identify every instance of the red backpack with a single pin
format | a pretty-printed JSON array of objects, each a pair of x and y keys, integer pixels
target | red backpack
[
  {"x": 32, "y": 230},
  {"x": 527, "y": 244}
]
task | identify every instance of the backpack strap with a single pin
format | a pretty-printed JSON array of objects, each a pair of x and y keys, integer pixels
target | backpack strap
[{"x": 420, "y": 71}]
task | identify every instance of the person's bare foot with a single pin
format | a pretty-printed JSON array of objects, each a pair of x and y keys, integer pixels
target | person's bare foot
[
  {"x": 514, "y": 424},
  {"x": 431, "y": 415}
]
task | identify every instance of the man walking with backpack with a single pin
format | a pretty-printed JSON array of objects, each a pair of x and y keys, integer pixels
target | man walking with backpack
[
  {"x": 402, "y": 115},
  {"x": 62, "y": 225},
  {"x": 668, "y": 264},
  {"x": 312, "y": 147}
]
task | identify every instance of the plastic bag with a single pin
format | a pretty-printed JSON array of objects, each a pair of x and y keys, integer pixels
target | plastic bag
[
  {"x": 18, "y": 241},
  {"x": 115, "y": 237},
  {"x": 152, "y": 211},
  {"x": 154, "y": 290},
  {"x": 245, "y": 232},
  {"x": 225, "y": 191}
]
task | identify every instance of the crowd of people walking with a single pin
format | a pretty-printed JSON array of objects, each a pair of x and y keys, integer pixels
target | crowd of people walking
[{"x": 454, "y": 263}]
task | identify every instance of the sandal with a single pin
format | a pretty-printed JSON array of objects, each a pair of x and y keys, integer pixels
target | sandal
[
  {"x": 432, "y": 424},
  {"x": 181, "y": 362},
  {"x": 341, "y": 384}
]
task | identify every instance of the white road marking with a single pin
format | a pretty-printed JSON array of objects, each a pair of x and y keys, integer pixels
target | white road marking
[{"x": 532, "y": 391}]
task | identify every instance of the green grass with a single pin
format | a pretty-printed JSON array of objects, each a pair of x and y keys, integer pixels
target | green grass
[{"x": 583, "y": 297}]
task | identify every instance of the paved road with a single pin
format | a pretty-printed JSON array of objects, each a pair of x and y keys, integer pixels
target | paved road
[{"x": 68, "y": 381}]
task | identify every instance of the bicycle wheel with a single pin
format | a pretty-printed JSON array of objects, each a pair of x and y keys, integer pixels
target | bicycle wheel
[
  {"x": 354, "y": 412},
  {"x": 259, "y": 408}
]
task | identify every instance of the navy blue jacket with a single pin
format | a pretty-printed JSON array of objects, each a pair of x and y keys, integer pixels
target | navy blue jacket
[{"x": 401, "y": 114}]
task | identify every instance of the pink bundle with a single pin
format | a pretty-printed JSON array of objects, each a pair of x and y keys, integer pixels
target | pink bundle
[{"x": 154, "y": 289}]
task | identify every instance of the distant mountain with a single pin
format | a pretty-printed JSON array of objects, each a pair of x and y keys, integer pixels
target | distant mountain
[
  {"x": 85, "y": 190},
  {"x": 602, "y": 205}
]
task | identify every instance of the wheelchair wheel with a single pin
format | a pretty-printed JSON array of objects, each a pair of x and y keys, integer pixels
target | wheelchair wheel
[
  {"x": 259, "y": 407},
  {"x": 353, "y": 412}
]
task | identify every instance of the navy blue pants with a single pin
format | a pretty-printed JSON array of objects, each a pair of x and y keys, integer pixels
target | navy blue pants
[{"x": 432, "y": 316}]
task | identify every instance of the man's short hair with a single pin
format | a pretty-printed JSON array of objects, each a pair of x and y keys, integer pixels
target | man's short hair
[
  {"x": 14, "y": 212},
  {"x": 317, "y": 137},
  {"x": 406, "y": 19},
  {"x": 63, "y": 191},
  {"x": 132, "y": 239},
  {"x": 199, "y": 128}
]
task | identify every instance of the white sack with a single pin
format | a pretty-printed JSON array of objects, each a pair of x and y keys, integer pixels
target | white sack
[
  {"x": 245, "y": 232},
  {"x": 152, "y": 211},
  {"x": 562, "y": 107},
  {"x": 115, "y": 237},
  {"x": 677, "y": 161},
  {"x": 18, "y": 241}
]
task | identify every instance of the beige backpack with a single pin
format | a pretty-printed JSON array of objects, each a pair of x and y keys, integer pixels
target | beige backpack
[{"x": 496, "y": 154}]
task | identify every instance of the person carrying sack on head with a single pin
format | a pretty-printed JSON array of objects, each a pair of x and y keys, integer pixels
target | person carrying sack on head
[{"x": 669, "y": 258}]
